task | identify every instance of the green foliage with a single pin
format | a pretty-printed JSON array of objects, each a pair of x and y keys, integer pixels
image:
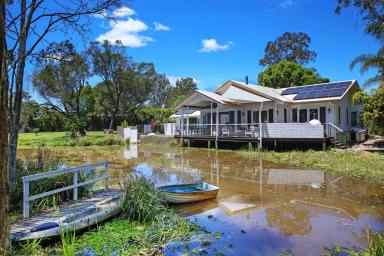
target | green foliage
[
  {"x": 353, "y": 164},
  {"x": 183, "y": 87},
  {"x": 141, "y": 201},
  {"x": 288, "y": 74},
  {"x": 68, "y": 240},
  {"x": 371, "y": 61},
  {"x": 29, "y": 167},
  {"x": 373, "y": 110},
  {"x": 292, "y": 47},
  {"x": 125, "y": 123},
  {"x": 54, "y": 139}
]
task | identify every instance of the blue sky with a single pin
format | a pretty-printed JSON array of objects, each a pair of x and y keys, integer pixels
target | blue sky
[{"x": 217, "y": 40}]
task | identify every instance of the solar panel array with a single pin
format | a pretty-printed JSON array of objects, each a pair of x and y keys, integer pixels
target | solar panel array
[{"x": 318, "y": 91}]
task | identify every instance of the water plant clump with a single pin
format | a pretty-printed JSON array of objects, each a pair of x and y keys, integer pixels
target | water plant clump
[{"x": 141, "y": 201}]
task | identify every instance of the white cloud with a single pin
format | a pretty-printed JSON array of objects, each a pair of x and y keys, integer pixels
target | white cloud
[
  {"x": 286, "y": 3},
  {"x": 211, "y": 45},
  {"x": 123, "y": 12},
  {"x": 162, "y": 27},
  {"x": 173, "y": 79},
  {"x": 128, "y": 32}
]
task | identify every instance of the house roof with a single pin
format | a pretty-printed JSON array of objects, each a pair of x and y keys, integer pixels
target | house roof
[{"x": 237, "y": 93}]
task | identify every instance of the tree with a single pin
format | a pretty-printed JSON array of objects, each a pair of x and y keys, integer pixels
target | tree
[
  {"x": 372, "y": 13},
  {"x": 161, "y": 91},
  {"x": 372, "y": 115},
  {"x": 183, "y": 87},
  {"x": 288, "y": 74},
  {"x": 4, "y": 204},
  {"x": 109, "y": 61},
  {"x": 371, "y": 61},
  {"x": 289, "y": 46},
  {"x": 29, "y": 22},
  {"x": 60, "y": 78}
]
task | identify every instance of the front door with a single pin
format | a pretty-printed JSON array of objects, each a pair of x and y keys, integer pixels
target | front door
[{"x": 322, "y": 115}]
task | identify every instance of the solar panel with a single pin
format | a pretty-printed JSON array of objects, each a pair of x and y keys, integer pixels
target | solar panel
[{"x": 318, "y": 91}]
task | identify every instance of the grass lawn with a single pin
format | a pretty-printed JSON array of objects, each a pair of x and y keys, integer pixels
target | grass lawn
[
  {"x": 359, "y": 165},
  {"x": 63, "y": 139}
]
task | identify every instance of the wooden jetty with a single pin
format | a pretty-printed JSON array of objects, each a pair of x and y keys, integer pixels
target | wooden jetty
[{"x": 74, "y": 215}]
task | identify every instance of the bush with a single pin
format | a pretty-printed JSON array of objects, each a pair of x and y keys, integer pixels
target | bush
[
  {"x": 141, "y": 201},
  {"x": 29, "y": 167}
]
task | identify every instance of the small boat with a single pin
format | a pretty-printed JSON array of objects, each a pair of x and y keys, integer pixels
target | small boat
[{"x": 190, "y": 192}]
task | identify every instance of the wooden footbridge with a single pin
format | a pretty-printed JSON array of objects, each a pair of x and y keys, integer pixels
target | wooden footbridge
[{"x": 74, "y": 215}]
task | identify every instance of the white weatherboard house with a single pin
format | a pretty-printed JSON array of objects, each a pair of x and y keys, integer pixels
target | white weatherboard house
[{"x": 238, "y": 111}]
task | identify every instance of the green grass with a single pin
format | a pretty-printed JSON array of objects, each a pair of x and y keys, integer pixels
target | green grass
[
  {"x": 53, "y": 139},
  {"x": 369, "y": 166}
]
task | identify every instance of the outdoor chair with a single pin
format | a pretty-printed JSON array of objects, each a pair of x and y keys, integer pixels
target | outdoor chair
[
  {"x": 225, "y": 132},
  {"x": 250, "y": 131}
]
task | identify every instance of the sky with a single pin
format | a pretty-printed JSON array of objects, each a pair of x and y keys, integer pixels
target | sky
[{"x": 217, "y": 40}]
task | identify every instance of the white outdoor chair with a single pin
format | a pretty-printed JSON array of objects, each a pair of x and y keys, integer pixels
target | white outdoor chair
[
  {"x": 225, "y": 132},
  {"x": 250, "y": 131}
]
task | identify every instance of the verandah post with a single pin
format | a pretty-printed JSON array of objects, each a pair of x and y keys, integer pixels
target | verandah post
[{"x": 106, "y": 175}]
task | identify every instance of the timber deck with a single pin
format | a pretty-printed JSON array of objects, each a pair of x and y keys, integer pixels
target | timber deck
[
  {"x": 22, "y": 227},
  {"x": 249, "y": 139}
]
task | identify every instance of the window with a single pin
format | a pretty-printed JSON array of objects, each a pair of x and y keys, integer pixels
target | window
[
  {"x": 354, "y": 118},
  {"x": 264, "y": 116},
  {"x": 270, "y": 114},
  {"x": 322, "y": 115},
  {"x": 313, "y": 114},
  {"x": 294, "y": 115},
  {"x": 249, "y": 116},
  {"x": 285, "y": 115},
  {"x": 256, "y": 117},
  {"x": 239, "y": 117},
  {"x": 303, "y": 115},
  {"x": 339, "y": 116}
]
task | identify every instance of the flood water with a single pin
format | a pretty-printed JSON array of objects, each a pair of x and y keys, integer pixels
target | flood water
[{"x": 262, "y": 208}]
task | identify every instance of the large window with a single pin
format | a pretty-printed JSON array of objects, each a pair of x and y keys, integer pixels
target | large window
[
  {"x": 239, "y": 117},
  {"x": 264, "y": 116},
  {"x": 313, "y": 114},
  {"x": 294, "y": 115},
  {"x": 255, "y": 117},
  {"x": 270, "y": 114},
  {"x": 249, "y": 116},
  {"x": 285, "y": 115},
  {"x": 303, "y": 115},
  {"x": 339, "y": 116}
]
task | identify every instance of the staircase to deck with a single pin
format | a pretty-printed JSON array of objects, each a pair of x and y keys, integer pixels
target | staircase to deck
[{"x": 335, "y": 134}]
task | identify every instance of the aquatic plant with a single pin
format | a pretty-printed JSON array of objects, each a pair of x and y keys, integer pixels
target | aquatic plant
[
  {"x": 357, "y": 165},
  {"x": 43, "y": 164},
  {"x": 141, "y": 201},
  {"x": 68, "y": 242}
]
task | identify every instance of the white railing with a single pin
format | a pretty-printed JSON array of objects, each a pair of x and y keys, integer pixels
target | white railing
[
  {"x": 74, "y": 170},
  {"x": 268, "y": 130},
  {"x": 332, "y": 131},
  {"x": 232, "y": 130}
]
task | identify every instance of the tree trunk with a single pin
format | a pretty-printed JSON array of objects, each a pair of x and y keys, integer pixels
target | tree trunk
[
  {"x": 113, "y": 118},
  {"x": 4, "y": 190},
  {"x": 16, "y": 108}
]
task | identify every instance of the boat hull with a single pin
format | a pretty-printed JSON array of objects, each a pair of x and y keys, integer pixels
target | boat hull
[{"x": 178, "y": 197}]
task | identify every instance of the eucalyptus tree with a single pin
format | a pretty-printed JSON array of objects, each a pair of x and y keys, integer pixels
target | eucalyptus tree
[
  {"x": 4, "y": 204},
  {"x": 109, "y": 62},
  {"x": 60, "y": 78},
  {"x": 28, "y": 25},
  {"x": 290, "y": 46}
]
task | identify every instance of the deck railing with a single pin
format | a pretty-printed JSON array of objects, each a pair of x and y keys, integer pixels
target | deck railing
[
  {"x": 75, "y": 172},
  {"x": 268, "y": 130}
]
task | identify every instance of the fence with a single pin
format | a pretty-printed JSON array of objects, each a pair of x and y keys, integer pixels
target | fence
[{"x": 74, "y": 170}]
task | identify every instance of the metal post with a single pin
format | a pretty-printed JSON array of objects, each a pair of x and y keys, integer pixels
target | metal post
[
  {"x": 217, "y": 124},
  {"x": 26, "y": 199},
  {"x": 75, "y": 190},
  {"x": 106, "y": 176}
]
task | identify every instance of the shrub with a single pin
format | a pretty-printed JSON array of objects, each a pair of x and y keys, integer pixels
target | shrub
[
  {"x": 141, "y": 201},
  {"x": 29, "y": 167}
]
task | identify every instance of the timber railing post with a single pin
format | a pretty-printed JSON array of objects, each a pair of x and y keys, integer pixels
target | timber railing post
[
  {"x": 25, "y": 198},
  {"x": 75, "y": 181},
  {"x": 106, "y": 175}
]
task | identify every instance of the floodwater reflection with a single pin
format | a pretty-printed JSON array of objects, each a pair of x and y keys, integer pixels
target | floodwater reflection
[{"x": 262, "y": 208}]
